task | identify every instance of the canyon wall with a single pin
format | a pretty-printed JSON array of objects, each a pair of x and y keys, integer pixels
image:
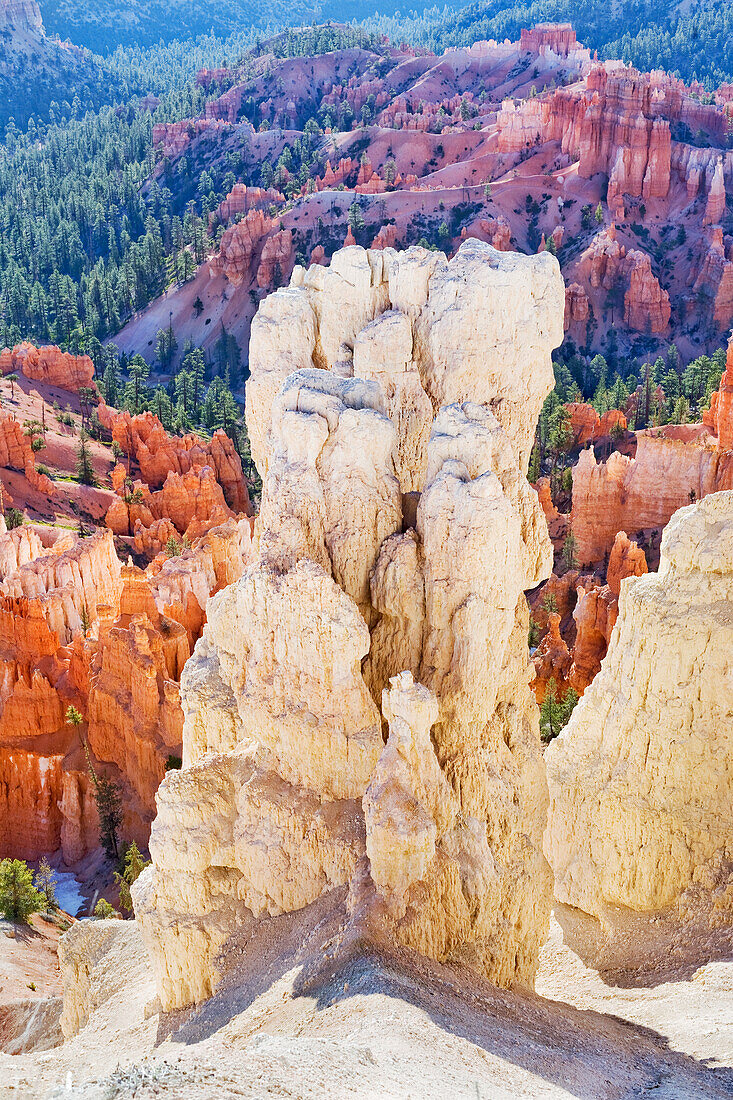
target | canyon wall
[
  {"x": 641, "y": 778},
  {"x": 391, "y": 407}
]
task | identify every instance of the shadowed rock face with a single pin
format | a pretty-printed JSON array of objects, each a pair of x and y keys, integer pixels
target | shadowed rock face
[
  {"x": 641, "y": 778},
  {"x": 389, "y": 377}
]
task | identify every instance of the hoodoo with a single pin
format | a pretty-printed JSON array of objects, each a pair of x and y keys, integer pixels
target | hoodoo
[{"x": 391, "y": 406}]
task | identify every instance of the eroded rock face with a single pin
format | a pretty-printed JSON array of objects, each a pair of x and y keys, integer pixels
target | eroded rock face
[
  {"x": 321, "y": 320},
  {"x": 49, "y": 364},
  {"x": 158, "y": 454},
  {"x": 368, "y": 608},
  {"x": 77, "y": 629},
  {"x": 641, "y": 779},
  {"x": 673, "y": 465},
  {"x": 720, "y": 415}
]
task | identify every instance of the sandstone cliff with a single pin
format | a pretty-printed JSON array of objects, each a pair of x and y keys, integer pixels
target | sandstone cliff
[
  {"x": 287, "y": 789},
  {"x": 641, "y": 778}
]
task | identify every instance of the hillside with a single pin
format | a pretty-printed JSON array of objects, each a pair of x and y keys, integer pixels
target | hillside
[
  {"x": 692, "y": 40},
  {"x": 36, "y": 70},
  {"x": 110, "y": 23},
  {"x": 525, "y": 145}
]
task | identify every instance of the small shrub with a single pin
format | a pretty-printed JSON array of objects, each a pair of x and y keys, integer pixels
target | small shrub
[
  {"x": 14, "y": 518},
  {"x": 173, "y": 763},
  {"x": 104, "y": 911}
]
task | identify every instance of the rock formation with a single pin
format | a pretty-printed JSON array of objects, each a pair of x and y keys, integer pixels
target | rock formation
[
  {"x": 641, "y": 779},
  {"x": 77, "y": 630},
  {"x": 144, "y": 439},
  {"x": 50, "y": 599},
  {"x": 17, "y": 454},
  {"x": 49, "y": 365},
  {"x": 719, "y": 417},
  {"x": 239, "y": 245},
  {"x": 673, "y": 465},
  {"x": 577, "y": 312},
  {"x": 367, "y": 606}
]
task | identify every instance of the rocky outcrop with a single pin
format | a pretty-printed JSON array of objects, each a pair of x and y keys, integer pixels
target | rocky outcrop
[
  {"x": 16, "y": 453},
  {"x": 719, "y": 417},
  {"x": 276, "y": 261},
  {"x": 641, "y": 779},
  {"x": 673, "y": 466},
  {"x": 646, "y": 304},
  {"x": 558, "y": 37},
  {"x": 367, "y": 607},
  {"x": 715, "y": 204},
  {"x": 711, "y": 277},
  {"x": 607, "y": 264},
  {"x": 239, "y": 245},
  {"x": 577, "y": 312},
  {"x": 51, "y": 598},
  {"x": 135, "y": 719},
  {"x": 551, "y": 660},
  {"x": 144, "y": 439},
  {"x": 190, "y": 503},
  {"x": 21, "y": 15},
  {"x": 49, "y": 365},
  {"x": 315, "y": 322}
]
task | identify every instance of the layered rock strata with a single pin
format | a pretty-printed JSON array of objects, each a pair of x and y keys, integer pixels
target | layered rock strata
[
  {"x": 641, "y": 779},
  {"x": 395, "y": 544},
  {"x": 673, "y": 466}
]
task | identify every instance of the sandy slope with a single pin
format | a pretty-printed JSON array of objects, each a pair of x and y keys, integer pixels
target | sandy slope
[{"x": 305, "y": 1012}]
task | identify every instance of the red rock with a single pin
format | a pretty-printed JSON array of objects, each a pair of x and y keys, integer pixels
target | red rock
[
  {"x": 720, "y": 415},
  {"x": 715, "y": 205},
  {"x": 145, "y": 440},
  {"x": 551, "y": 661},
  {"x": 627, "y": 560},
  {"x": 318, "y": 255},
  {"x": 241, "y": 199},
  {"x": 673, "y": 465},
  {"x": 612, "y": 419},
  {"x": 349, "y": 239},
  {"x": 386, "y": 237},
  {"x": 239, "y": 245},
  {"x": 595, "y": 615},
  {"x": 135, "y": 719},
  {"x": 277, "y": 260},
  {"x": 558, "y": 37},
  {"x": 50, "y": 365},
  {"x": 577, "y": 312},
  {"x": 713, "y": 280},
  {"x": 17, "y": 454},
  {"x": 584, "y": 422},
  {"x": 646, "y": 304}
]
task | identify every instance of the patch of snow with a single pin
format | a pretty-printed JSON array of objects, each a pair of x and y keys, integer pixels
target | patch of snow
[{"x": 68, "y": 892}]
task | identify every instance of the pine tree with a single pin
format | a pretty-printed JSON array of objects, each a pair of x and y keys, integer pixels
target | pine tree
[
  {"x": 44, "y": 881},
  {"x": 107, "y": 794},
  {"x": 84, "y": 467},
  {"x": 18, "y": 896},
  {"x": 554, "y": 712},
  {"x": 134, "y": 866},
  {"x": 569, "y": 546}
]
